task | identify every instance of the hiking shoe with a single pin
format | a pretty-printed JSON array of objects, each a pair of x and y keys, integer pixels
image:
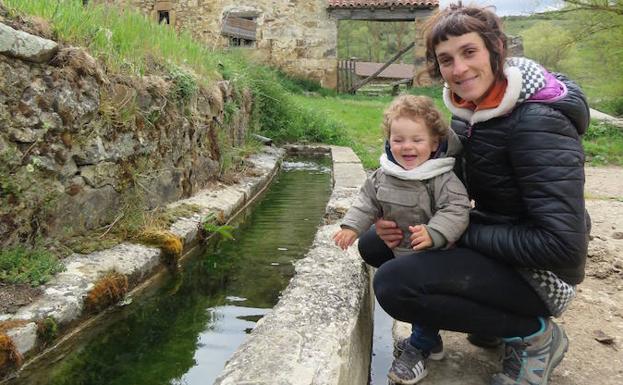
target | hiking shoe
[
  {"x": 410, "y": 366},
  {"x": 484, "y": 341},
  {"x": 437, "y": 353},
  {"x": 530, "y": 360}
]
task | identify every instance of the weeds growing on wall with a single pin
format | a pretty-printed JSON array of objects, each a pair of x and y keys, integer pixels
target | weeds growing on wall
[
  {"x": 170, "y": 244},
  {"x": 9, "y": 356},
  {"x": 233, "y": 165},
  {"x": 47, "y": 330},
  {"x": 108, "y": 290},
  {"x": 129, "y": 42},
  {"x": 185, "y": 84}
]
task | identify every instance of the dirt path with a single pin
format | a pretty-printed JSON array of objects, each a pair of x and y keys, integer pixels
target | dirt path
[{"x": 597, "y": 312}]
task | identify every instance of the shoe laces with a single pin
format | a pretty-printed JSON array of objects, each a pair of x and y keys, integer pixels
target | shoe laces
[
  {"x": 411, "y": 355},
  {"x": 512, "y": 361}
]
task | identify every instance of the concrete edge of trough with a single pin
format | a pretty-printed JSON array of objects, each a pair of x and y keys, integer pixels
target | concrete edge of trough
[{"x": 320, "y": 331}]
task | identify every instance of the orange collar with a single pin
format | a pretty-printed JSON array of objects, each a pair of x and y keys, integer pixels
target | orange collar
[{"x": 492, "y": 99}]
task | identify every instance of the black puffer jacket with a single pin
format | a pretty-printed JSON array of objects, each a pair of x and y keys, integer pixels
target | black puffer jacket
[{"x": 525, "y": 171}]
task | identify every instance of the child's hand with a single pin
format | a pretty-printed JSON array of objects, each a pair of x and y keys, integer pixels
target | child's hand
[
  {"x": 420, "y": 238},
  {"x": 344, "y": 238}
]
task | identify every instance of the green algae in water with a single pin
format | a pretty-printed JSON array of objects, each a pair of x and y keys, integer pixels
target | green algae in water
[{"x": 185, "y": 330}]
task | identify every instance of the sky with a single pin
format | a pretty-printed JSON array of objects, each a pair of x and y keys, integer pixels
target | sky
[{"x": 512, "y": 7}]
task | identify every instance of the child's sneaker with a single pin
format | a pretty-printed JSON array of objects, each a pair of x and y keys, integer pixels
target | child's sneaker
[
  {"x": 410, "y": 366},
  {"x": 436, "y": 353},
  {"x": 530, "y": 360}
]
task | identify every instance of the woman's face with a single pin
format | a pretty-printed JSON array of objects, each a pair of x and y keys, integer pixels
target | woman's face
[{"x": 465, "y": 65}]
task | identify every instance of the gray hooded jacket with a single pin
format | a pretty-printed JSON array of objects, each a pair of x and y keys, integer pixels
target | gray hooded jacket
[{"x": 430, "y": 194}]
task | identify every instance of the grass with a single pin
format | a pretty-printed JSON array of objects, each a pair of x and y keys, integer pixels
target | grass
[
  {"x": 603, "y": 144},
  {"x": 19, "y": 265},
  {"x": 360, "y": 120},
  {"x": 360, "y": 117},
  {"x": 126, "y": 41}
]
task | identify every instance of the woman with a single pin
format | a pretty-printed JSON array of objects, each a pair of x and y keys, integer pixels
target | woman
[{"x": 524, "y": 251}]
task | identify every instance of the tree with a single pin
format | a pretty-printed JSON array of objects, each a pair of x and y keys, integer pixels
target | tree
[
  {"x": 374, "y": 42},
  {"x": 594, "y": 16},
  {"x": 549, "y": 44},
  {"x": 615, "y": 6}
]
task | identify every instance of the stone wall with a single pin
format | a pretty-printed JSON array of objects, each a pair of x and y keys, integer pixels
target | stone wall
[
  {"x": 77, "y": 147},
  {"x": 297, "y": 36}
]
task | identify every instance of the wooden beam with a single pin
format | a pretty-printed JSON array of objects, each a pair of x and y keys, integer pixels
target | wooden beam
[
  {"x": 374, "y": 75},
  {"x": 239, "y": 27}
]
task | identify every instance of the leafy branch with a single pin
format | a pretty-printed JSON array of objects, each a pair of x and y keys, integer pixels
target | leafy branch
[
  {"x": 596, "y": 5},
  {"x": 212, "y": 224}
]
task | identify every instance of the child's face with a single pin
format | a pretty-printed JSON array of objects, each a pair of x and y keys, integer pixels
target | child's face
[{"x": 411, "y": 142}]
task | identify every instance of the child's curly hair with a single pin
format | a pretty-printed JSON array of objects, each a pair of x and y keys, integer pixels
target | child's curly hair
[{"x": 415, "y": 107}]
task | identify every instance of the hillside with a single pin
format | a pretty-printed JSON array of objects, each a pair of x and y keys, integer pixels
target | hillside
[{"x": 586, "y": 45}]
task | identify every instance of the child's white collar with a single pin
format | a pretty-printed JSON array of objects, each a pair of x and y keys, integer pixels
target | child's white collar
[{"x": 429, "y": 169}]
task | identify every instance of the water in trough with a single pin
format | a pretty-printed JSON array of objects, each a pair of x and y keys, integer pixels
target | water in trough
[{"x": 183, "y": 330}]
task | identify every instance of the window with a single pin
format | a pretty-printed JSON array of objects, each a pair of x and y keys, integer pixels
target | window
[
  {"x": 163, "y": 17},
  {"x": 240, "y": 30},
  {"x": 240, "y": 42}
]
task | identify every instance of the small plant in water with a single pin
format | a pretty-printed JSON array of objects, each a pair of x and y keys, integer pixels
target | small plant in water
[{"x": 214, "y": 224}]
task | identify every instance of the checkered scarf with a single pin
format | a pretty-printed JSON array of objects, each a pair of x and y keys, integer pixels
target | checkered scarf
[{"x": 532, "y": 76}]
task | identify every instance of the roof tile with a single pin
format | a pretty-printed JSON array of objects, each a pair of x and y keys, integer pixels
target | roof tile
[{"x": 382, "y": 3}]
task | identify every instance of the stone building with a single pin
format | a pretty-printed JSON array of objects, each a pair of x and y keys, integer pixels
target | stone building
[{"x": 298, "y": 36}]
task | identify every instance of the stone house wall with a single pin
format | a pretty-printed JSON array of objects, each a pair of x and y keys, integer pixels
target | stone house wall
[{"x": 297, "y": 36}]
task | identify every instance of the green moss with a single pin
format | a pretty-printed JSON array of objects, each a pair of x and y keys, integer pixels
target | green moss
[
  {"x": 169, "y": 216},
  {"x": 91, "y": 242},
  {"x": 47, "y": 330},
  {"x": 27, "y": 266}
]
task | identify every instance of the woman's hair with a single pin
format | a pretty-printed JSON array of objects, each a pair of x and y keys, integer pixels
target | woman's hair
[
  {"x": 457, "y": 20},
  {"x": 415, "y": 107}
]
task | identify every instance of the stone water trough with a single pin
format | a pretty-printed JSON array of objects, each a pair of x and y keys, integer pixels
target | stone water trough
[{"x": 320, "y": 332}]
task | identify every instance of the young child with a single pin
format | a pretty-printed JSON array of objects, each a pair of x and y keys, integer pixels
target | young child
[{"x": 416, "y": 188}]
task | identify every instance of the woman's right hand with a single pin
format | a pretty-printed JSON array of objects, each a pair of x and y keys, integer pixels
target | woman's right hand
[{"x": 389, "y": 232}]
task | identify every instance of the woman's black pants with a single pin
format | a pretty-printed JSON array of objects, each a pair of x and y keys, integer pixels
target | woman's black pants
[{"x": 456, "y": 289}]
